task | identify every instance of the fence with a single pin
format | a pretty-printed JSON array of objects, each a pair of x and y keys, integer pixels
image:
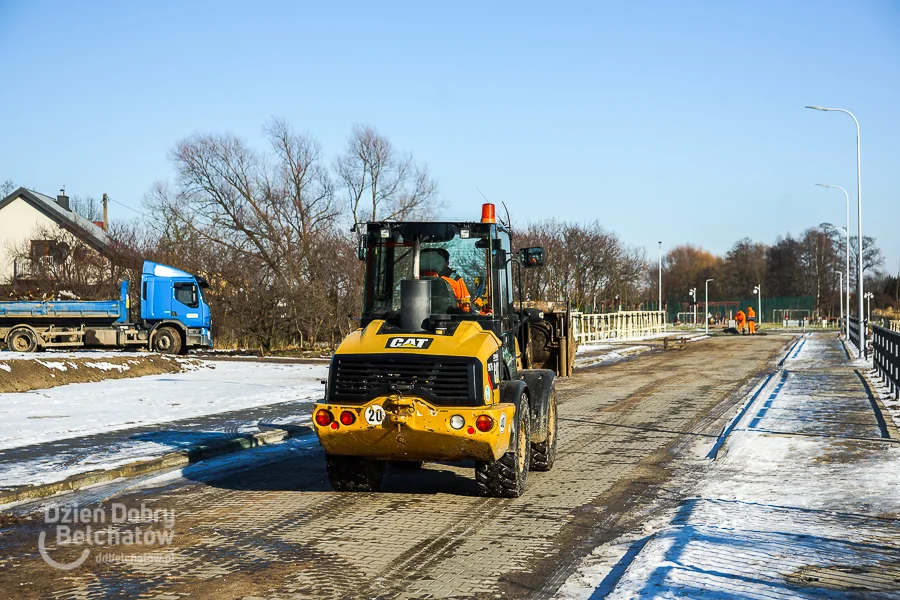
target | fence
[
  {"x": 886, "y": 356},
  {"x": 855, "y": 337},
  {"x": 894, "y": 325},
  {"x": 617, "y": 325}
]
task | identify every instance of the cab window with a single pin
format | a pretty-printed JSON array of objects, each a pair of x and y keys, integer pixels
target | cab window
[{"x": 186, "y": 293}]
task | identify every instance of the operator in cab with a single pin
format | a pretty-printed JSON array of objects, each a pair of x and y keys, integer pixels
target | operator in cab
[{"x": 436, "y": 263}]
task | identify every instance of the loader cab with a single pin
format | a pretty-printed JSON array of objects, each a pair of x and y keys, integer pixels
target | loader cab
[{"x": 443, "y": 261}]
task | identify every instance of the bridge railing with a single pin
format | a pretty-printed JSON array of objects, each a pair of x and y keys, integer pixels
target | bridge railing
[
  {"x": 617, "y": 326},
  {"x": 858, "y": 338},
  {"x": 886, "y": 356}
]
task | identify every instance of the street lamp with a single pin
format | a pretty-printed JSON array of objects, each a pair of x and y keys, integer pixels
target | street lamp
[
  {"x": 659, "y": 288},
  {"x": 847, "y": 265},
  {"x": 693, "y": 294},
  {"x": 859, "y": 272},
  {"x": 706, "y": 314},
  {"x": 841, "y": 297},
  {"x": 869, "y": 296},
  {"x": 757, "y": 289},
  {"x": 846, "y": 233}
]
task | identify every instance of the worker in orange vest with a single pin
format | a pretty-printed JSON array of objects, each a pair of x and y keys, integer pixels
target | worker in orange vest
[
  {"x": 739, "y": 318},
  {"x": 751, "y": 320},
  {"x": 435, "y": 262}
]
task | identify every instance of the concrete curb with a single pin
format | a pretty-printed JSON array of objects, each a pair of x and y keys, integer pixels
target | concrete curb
[{"x": 180, "y": 458}]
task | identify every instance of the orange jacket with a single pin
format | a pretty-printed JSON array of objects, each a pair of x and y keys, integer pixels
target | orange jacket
[
  {"x": 751, "y": 314},
  {"x": 458, "y": 285},
  {"x": 739, "y": 317}
]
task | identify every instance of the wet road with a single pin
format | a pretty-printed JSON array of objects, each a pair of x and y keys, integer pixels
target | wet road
[{"x": 266, "y": 525}]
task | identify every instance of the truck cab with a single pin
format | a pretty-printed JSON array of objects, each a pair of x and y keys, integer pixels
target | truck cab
[{"x": 172, "y": 299}]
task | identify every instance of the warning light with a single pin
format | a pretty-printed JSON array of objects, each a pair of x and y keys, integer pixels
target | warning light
[{"x": 488, "y": 215}]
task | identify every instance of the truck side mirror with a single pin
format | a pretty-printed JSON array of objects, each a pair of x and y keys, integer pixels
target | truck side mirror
[{"x": 532, "y": 257}]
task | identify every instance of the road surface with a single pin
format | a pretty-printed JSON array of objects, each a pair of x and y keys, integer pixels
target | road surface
[{"x": 267, "y": 525}]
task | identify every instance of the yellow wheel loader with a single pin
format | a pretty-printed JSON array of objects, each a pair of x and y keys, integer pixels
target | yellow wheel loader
[{"x": 446, "y": 366}]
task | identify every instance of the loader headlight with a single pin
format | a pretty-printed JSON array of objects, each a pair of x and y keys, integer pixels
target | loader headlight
[{"x": 457, "y": 422}]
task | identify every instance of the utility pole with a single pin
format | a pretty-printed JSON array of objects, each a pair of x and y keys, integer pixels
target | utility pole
[
  {"x": 105, "y": 212},
  {"x": 706, "y": 315},
  {"x": 757, "y": 289}
]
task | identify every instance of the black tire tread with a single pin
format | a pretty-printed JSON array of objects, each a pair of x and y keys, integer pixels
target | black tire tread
[
  {"x": 354, "y": 473},
  {"x": 543, "y": 454},
  {"x": 504, "y": 478}
]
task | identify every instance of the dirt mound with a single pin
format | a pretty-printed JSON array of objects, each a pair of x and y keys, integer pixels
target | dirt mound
[{"x": 33, "y": 373}]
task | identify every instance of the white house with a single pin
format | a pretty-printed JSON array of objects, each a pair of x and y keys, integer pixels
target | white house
[{"x": 26, "y": 213}]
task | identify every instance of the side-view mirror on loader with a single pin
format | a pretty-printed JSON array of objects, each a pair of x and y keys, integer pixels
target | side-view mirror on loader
[{"x": 532, "y": 257}]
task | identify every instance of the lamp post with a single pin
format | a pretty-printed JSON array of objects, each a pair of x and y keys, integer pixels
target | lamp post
[
  {"x": 706, "y": 313},
  {"x": 869, "y": 296},
  {"x": 757, "y": 289},
  {"x": 846, "y": 233},
  {"x": 841, "y": 297},
  {"x": 847, "y": 265},
  {"x": 693, "y": 293},
  {"x": 659, "y": 288},
  {"x": 859, "y": 272}
]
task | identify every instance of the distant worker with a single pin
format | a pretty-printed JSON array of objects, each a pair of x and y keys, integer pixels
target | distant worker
[
  {"x": 739, "y": 318},
  {"x": 751, "y": 320},
  {"x": 435, "y": 262}
]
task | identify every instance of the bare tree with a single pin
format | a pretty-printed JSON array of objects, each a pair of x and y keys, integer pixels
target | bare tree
[
  {"x": 382, "y": 183},
  {"x": 267, "y": 219},
  {"x": 6, "y": 188}
]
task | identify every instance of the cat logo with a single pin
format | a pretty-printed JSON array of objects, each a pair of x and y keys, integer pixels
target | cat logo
[{"x": 409, "y": 343}]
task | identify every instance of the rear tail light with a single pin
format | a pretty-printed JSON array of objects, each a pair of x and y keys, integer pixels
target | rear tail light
[
  {"x": 324, "y": 418},
  {"x": 457, "y": 421},
  {"x": 347, "y": 418},
  {"x": 484, "y": 423}
]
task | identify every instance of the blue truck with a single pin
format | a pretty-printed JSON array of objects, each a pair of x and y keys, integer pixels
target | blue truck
[{"x": 174, "y": 317}]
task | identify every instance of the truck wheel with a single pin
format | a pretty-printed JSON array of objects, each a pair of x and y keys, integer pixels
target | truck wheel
[
  {"x": 505, "y": 477},
  {"x": 167, "y": 341},
  {"x": 21, "y": 340},
  {"x": 543, "y": 454},
  {"x": 353, "y": 473}
]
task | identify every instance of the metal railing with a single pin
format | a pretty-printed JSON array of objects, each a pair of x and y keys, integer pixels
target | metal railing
[
  {"x": 894, "y": 325},
  {"x": 856, "y": 339},
  {"x": 617, "y": 326},
  {"x": 886, "y": 356}
]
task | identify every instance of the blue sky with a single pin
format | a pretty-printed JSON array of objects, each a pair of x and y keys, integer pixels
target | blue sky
[{"x": 675, "y": 121}]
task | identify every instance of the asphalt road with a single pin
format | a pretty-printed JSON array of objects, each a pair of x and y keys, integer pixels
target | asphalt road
[{"x": 267, "y": 525}]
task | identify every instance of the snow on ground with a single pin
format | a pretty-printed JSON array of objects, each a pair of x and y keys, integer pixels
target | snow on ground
[
  {"x": 802, "y": 502},
  {"x": 89, "y": 408},
  {"x": 61, "y": 354}
]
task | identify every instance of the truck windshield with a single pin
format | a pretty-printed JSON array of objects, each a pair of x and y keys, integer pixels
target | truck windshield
[{"x": 457, "y": 259}]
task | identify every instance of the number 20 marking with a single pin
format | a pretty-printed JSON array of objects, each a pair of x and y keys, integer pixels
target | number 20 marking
[{"x": 374, "y": 415}]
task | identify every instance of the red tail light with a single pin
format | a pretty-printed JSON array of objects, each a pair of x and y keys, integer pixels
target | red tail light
[
  {"x": 484, "y": 423},
  {"x": 347, "y": 418},
  {"x": 324, "y": 417}
]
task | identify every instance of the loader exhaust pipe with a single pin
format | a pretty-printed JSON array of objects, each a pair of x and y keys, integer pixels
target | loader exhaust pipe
[{"x": 415, "y": 304}]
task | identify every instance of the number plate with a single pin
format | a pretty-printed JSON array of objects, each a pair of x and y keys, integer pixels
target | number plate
[{"x": 374, "y": 415}]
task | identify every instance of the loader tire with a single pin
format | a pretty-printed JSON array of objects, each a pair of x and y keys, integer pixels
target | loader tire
[
  {"x": 167, "y": 341},
  {"x": 543, "y": 454},
  {"x": 505, "y": 477},
  {"x": 354, "y": 474}
]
